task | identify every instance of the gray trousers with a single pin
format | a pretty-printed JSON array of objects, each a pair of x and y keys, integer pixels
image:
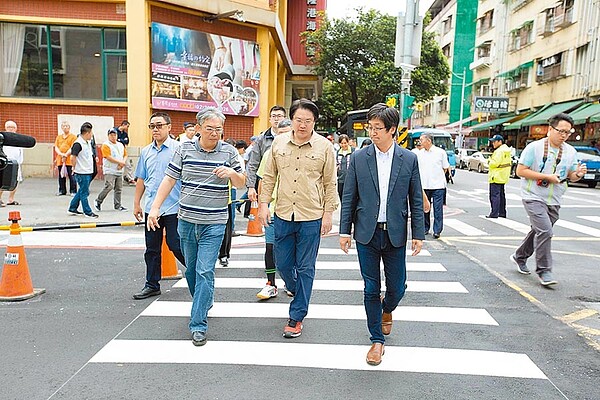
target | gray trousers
[
  {"x": 542, "y": 218},
  {"x": 112, "y": 182}
]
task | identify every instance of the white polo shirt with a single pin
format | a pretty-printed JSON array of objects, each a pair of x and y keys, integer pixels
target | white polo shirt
[{"x": 432, "y": 163}]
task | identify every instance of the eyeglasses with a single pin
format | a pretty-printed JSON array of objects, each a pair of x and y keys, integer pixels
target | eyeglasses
[
  {"x": 158, "y": 126},
  {"x": 277, "y": 116},
  {"x": 211, "y": 129},
  {"x": 564, "y": 132},
  {"x": 374, "y": 128},
  {"x": 304, "y": 121}
]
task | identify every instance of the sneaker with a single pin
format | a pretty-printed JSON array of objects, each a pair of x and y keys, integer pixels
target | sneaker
[
  {"x": 224, "y": 261},
  {"x": 521, "y": 267},
  {"x": 91, "y": 215},
  {"x": 61, "y": 194},
  {"x": 436, "y": 235},
  {"x": 546, "y": 278},
  {"x": 121, "y": 208},
  {"x": 97, "y": 205},
  {"x": 74, "y": 212},
  {"x": 288, "y": 292},
  {"x": 293, "y": 329},
  {"x": 198, "y": 338},
  {"x": 267, "y": 292}
]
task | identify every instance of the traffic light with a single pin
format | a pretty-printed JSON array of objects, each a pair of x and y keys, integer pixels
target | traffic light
[
  {"x": 392, "y": 100},
  {"x": 407, "y": 109}
]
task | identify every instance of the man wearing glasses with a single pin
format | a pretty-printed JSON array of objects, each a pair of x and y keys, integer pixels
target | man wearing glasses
[
  {"x": 302, "y": 162},
  {"x": 544, "y": 167},
  {"x": 153, "y": 162},
  {"x": 205, "y": 167}
]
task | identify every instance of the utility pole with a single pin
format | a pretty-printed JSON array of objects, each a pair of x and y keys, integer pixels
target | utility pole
[{"x": 408, "y": 48}]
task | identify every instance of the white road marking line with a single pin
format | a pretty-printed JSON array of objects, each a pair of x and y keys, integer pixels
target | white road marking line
[
  {"x": 337, "y": 265},
  {"x": 455, "y": 315},
  {"x": 579, "y": 199},
  {"x": 335, "y": 284},
  {"x": 330, "y": 356},
  {"x": 326, "y": 251},
  {"x": 586, "y": 230},
  {"x": 513, "y": 196},
  {"x": 509, "y": 223},
  {"x": 593, "y": 218},
  {"x": 463, "y": 228}
]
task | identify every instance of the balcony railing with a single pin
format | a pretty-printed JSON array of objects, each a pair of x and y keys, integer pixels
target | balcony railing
[{"x": 482, "y": 62}]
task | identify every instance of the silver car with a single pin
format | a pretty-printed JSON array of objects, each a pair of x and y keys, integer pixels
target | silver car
[
  {"x": 462, "y": 155},
  {"x": 479, "y": 161}
]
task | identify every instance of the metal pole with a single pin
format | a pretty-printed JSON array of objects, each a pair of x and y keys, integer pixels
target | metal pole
[{"x": 462, "y": 108}]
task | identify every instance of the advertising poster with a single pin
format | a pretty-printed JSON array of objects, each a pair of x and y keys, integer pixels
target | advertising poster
[{"x": 192, "y": 70}]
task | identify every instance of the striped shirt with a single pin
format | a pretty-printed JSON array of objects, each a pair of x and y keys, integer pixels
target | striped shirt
[{"x": 204, "y": 196}]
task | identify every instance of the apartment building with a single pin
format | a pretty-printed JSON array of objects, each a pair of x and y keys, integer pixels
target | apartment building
[{"x": 108, "y": 60}]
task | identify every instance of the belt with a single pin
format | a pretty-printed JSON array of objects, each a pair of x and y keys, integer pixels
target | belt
[{"x": 382, "y": 225}]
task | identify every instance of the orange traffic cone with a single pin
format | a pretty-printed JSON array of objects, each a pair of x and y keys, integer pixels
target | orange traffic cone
[
  {"x": 254, "y": 226},
  {"x": 15, "y": 284},
  {"x": 169, "y": 269}
]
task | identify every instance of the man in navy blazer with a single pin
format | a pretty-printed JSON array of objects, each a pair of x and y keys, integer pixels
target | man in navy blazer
[{"x": 381, "y": 183}]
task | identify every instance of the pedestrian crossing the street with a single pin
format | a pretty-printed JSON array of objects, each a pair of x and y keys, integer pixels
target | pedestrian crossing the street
[{"x": 236, "y": 306}]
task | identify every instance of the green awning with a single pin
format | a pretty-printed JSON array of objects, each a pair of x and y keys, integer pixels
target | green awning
[
  {"x": 584, "y": 112},
  {"x": 541, "y": 117},
  {"x": 517, "y": 124},
  {"x": 516, "y": 71},
  {"x": 595, "y": 118},
  {"x": 490, "y": 124}
]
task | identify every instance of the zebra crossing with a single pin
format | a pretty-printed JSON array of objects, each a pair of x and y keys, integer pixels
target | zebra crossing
[
  {"x": 586, "y": 226},
  {"x": 236, "y": 307}
]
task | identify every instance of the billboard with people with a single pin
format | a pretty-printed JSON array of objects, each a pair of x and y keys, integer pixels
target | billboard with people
[{"x": 192, "y": 70}]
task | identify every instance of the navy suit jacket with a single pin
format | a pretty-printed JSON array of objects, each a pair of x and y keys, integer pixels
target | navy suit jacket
[{"x": 360, "y": 200}]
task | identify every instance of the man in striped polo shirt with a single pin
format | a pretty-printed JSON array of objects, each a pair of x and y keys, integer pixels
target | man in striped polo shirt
[{"x": 205, "y": 165}]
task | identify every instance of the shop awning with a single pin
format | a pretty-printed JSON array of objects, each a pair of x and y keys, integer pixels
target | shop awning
[
  {"x": 541, "y": 116},
  {"x": 581, "y": 115},
  {"x": 595, "y": 118},
  {"x": 456, "y": 124},
  {"x": 490, "y": 124}
]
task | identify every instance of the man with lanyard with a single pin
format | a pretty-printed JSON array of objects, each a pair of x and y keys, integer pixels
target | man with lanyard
[
  {"x": 154, "y": 159},
  {"x": 205, "y": 166},
  {"x": 302, "y": 163},
  {"x": 544, "y": 167},
  {"x": 260, "y": 146},
  {"x": 82, "y": 157},
  {"x": 498, "y": 175}
]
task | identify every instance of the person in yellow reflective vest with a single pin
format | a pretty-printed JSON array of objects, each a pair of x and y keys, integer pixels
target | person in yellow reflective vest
[{"x": 498, "y": 174}]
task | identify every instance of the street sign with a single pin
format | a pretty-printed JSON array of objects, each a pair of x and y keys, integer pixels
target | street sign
[{"x": 494, "y": 105}]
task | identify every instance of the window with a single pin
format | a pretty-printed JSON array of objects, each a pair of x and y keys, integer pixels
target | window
[
  {"x": 446, "y": 51},
  {"x": 550, "y": 68},
  {"x": 484, "y": 50},
  {"x": 518, "y": 80},
  {"x": 447, "y": 24},
  {"x": 555, "y": 18},
  {"x": 486, "y": 22},
  {"x": 85, "y": 62},
  {"x": 521, "y": 37},
  {"x": 444, "y": 105}
]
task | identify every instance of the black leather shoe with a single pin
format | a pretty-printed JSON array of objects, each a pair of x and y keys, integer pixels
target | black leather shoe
[
  {"x": 198, "y": 338},
  {"x": 436, "y": 235},
  {"x": 145, "y": 293}
]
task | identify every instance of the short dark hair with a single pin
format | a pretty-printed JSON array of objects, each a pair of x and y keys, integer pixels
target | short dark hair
[
  {"x": 554, "y": 120},
  {"x": 278, "y": 108},
  {"x": 241, "y": 144},
  {"x": 366, "y": 142},
  {"x": 125, "y": 122},
  {"x": 113, "y": 130},
  {"x": 388, "y": 115},
  {"x": 306, "y": 105},
  {"x": 85, "y": 128},
  {"x": 162, "y": 114}
]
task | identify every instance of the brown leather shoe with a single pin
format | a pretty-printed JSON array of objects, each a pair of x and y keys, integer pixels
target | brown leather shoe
[
  {"x": 375, "y": 353},
  {"x": 386, "y": 323}
]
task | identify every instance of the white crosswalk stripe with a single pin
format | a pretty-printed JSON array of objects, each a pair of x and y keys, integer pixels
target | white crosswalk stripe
[
  {"x": 463, "y": 228},
  {"x": 509, "y": 223},
  {"x": 332, "y": 284},
  {"x": 586, "y": 230},
  {"x": 317, "y": 355}
]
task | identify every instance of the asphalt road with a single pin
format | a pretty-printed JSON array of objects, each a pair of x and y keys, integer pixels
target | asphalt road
[{"x": 470, "y": 327}]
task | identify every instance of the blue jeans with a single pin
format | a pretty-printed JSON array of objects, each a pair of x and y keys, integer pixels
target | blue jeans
[
  {"x": 436, "y": 198},
  {"x": 83, "y": 182},
  {"x": 154, "y": 239},
  {"x": 295, "y": 248},
  {"x": 200, "y": 244},
  {"x": 394, "y": 268}
]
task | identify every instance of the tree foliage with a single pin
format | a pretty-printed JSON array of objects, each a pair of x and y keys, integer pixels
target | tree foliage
[{"x": 355, "y": 58}]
